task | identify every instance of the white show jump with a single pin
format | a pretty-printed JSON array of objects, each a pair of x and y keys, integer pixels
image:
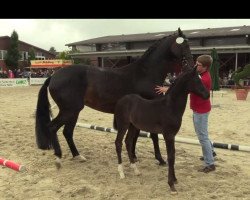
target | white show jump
[{"x": 177, "y": 139}]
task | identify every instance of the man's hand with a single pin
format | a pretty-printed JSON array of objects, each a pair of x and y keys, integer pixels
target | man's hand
[{"x": 160, "y": 89}]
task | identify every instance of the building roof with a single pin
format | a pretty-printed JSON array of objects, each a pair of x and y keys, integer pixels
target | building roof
[
  {"x": 194, "y": 33},
  {"x": 139, "y": 52},
  {"x": 7, "y": 37}
]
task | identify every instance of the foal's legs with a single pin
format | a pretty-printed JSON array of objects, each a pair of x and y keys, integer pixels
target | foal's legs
[
  {"x": 129, "y": 143},
  {"x": 136, "y": 135},
  {"x": 155, "y": 140},
  {"x": 154, "y": 137},
  {"x": 170, "y": 146},
  {"x": 121, "y": 131}
]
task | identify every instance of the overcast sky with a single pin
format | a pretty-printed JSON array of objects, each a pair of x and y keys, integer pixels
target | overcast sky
[{"x": 46, "y": 33}]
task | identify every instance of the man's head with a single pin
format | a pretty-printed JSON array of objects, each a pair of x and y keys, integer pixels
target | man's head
[{"x": 203, "y": 63}]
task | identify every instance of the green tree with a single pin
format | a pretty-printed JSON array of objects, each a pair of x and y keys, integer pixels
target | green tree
[
  {"x": 32, "y": 55},
  {"x": 52, "y": 50},
  {"x": 85, "y": 61},
  {"x": 240, "y": 74},
  {"x": 12, "y": 55},
  {"x": 64, "y": 55}
]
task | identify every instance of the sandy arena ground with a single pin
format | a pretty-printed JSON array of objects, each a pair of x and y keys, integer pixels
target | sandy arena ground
[{"x": 229, "y": 122}]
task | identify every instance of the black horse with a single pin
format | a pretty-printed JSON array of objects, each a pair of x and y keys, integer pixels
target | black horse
[
  {"x": 100, "y": 88},
  {"x": 162, "y": 115}
]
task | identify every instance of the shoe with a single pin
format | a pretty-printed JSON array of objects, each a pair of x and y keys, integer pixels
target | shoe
[
  {"x": 214, "y": 155},
  {"x": 207, "y": 169}
]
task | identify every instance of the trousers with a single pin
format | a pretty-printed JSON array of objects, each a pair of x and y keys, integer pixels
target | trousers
[{"x": 200, "y": 121}]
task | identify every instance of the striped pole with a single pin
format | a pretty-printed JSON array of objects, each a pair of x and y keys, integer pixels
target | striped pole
[
  {"x": 177, "y": 139},
  {"x": 12, "y": 165}
]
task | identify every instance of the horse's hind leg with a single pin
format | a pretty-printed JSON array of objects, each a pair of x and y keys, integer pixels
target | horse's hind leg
[
  {"x": 54, "y": 126},
  {"x": 158, "y": 156},
  {"x": 68, "y": 134}
]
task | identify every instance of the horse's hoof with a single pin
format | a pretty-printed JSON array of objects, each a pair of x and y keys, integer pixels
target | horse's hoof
[
  {"x": 173, "y": 192},
  {"x": 122, "y": 176},
  {"x": 120, "y": 170},
  {"x": 162, "y": 163},
  {"x": 137, "y": 173},
  {"x": 58, "y": 163},
  {"x": 134, "y": 167},
  {"x": 80, "y": 158},
  {"x": 135, "y": 158}
]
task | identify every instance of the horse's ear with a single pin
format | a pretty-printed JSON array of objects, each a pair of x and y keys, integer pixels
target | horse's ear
[{"x": 180, "y": 32}]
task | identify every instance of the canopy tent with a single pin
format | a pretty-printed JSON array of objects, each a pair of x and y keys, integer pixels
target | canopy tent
[{"x": 49, "y": 64}]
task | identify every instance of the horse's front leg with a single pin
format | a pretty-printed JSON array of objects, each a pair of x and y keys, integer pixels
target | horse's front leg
[
  {"x": 154, "y": 137},
  {"x": 170, "y": 146}
]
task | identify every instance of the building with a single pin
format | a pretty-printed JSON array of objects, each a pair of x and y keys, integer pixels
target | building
[
  {"x": 231, "y": 43},
  {"x": 23, "y": 48}
]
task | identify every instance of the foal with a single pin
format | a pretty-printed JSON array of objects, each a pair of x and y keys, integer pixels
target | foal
[{"x": 162, "y": 115}]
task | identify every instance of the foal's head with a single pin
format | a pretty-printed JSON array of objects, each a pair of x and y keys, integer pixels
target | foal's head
[{"x": 190, "y": 80}]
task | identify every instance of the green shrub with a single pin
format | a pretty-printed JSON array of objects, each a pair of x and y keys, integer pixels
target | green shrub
[{"x": 241, "y": 73}]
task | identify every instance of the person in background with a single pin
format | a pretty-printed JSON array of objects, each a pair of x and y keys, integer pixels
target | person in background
[
  {"x": 201, "y": 108},
  {"x": 11, "y": 74}
]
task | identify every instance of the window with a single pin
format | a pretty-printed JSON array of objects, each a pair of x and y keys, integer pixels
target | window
[
  {"x": 24, "y": 55},
  {"x": 113, "y": 46},
  {"x": 3, "y": 54},
  {"x": 39, "y": 56}
]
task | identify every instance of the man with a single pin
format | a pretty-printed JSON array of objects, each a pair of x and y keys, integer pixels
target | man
[{"x": 201, "y": 109}]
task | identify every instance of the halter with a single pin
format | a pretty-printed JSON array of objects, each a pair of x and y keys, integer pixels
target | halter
[{"x": 184, "y": 59}]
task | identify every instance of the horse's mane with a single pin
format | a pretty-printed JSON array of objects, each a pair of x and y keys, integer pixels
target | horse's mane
[
  {"x": 153, "y": 47},
  {"x": 155, "y": 44}
]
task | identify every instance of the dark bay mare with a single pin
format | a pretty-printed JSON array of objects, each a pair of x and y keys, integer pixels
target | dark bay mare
[
  {"x": 100, "y": 88},
  {"x": 162, "y": 115}
]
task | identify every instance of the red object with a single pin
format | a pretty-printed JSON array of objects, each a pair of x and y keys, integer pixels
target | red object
[
  {"x": 241, "y": 94},
  {"x": 197, "y": 104},
  {"x": 12, "y": 165},
  {"x": 11, "y": 74}
]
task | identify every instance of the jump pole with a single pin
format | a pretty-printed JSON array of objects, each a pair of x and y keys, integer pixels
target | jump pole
[
  {"x": 177, "y": 139},
  {"x": 12, "y": 165}
]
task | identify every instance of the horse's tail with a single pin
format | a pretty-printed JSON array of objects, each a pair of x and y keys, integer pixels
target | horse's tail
[{"x": 43, "y": 114}]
